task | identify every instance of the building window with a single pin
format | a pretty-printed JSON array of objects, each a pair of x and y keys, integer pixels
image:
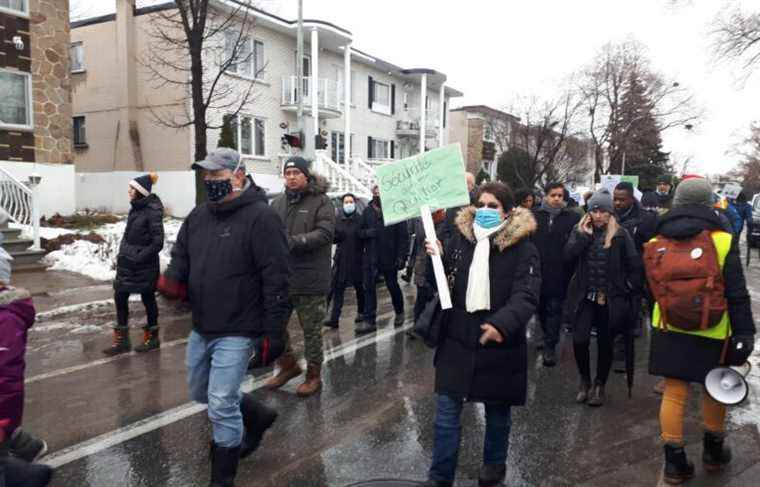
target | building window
[
  {"x": 77, "y": 57},
  {"x": 380, "y": 149},
  {"x": 338, "y": 147},
  {"x": 15, "y": 6},
  {"x": 381, "y": 101},
  {"x": 16, "y": 102},
  {"x": 248, "y": 61},
  {"x": 80, "y": 134},
  {"x": 250, "y": 135}
]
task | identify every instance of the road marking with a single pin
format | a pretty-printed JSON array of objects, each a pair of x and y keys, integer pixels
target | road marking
[
  {"x": 77, "y": 368},
  {"x": 152, "y": 423}
]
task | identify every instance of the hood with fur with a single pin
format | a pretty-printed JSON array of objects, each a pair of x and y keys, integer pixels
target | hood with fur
[
  {"x": 318, "y": 184},
  {"x": 19, "y": 302},
  {"x": 520, "y": 225}
]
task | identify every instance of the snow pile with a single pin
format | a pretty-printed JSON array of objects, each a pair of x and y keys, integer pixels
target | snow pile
[
  {"x": 99, "y": 260},
  {"x": 48, "y": 233}
]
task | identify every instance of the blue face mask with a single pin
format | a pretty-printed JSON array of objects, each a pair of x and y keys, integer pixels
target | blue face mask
[
  {"x": 349, "y": 208},
  {"x": 488, "y": 217}
]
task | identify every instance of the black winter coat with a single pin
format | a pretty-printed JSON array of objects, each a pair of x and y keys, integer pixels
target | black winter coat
[
  {"x": 641, "y": 224},
  {"x": 550, "y": 239},
  {"x": 688, "y": 357},
  {"x": 624, "y": 277},
  {"x": 234, "y": 259},
  {"x": 310, "y": 225},
  {"x": 385, "y": 248},
  {"x": 494, "y": 372},
  {"x": 137, "y": 265},
  {"x": 347, "y": 260}
]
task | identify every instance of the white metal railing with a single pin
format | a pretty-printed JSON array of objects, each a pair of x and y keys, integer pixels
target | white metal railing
[
  {"x": 363, "y": 171},
  {"x": 341, "y": 181},
  {"x": 329, "y": 93},
  {"x": 21, "y": 203}
]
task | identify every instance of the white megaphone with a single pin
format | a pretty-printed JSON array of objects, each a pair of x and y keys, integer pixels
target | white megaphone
[{"x": 727, "y": 385}]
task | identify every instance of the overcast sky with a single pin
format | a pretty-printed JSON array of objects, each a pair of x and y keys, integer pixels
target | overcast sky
[{"x": 495, "y": 50}]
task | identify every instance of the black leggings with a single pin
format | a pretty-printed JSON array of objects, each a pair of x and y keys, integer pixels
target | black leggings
[
  {"x": 592, "y": 314},
  {"x": 122, "y": 309}
]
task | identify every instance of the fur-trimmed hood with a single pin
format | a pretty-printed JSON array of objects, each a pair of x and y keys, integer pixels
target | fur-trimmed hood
[
  {"x": 318, "y": 184},
  {"x": 11, "y": 294},
  {"x": 520, "y": 225}
]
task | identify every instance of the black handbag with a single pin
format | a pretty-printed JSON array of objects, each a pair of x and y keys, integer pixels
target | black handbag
[{"x": 430, "y": 322}]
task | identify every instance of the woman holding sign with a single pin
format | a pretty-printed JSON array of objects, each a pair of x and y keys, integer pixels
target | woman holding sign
[{"x": 482, "y": 355}]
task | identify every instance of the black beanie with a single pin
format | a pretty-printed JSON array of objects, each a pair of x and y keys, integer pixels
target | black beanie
[
  {"x": 144, "y": 184},
  {"x": 298, "y": 163}
]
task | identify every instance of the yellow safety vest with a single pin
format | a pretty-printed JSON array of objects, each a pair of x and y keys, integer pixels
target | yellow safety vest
[{"x": 722, "y": 330}]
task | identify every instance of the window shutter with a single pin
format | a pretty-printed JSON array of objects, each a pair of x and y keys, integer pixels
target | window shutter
[
  {"x": 393, "y": 149},
  {"x": 445, "y": 111},
  {"x": 393, "y": 99},
  {"x": 371, "y": 92},
  {"x": 369, "y": 148}
]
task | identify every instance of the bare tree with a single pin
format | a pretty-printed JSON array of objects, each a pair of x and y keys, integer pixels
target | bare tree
[
  {"x": 546, "y": 145},
  {"x": 603, "y": 84},
  {"x": 736, "y": 38},
  {"x": 748, "y": 169},
  {"x": 192, "y": 51}
]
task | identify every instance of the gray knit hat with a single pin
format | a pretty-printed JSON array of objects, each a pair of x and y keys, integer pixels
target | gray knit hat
[
  {"x": 693, "y": 191},
  {"x": 602, "y": 200}
]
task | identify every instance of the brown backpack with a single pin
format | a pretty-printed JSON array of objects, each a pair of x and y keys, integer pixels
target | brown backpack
[{"x": 686, "y": 280}]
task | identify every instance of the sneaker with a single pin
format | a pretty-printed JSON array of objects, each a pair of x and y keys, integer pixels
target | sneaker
[{"x": 26, "y": 447}]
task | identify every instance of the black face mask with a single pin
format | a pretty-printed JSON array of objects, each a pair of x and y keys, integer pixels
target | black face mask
[{"x": 217, "y": 190}]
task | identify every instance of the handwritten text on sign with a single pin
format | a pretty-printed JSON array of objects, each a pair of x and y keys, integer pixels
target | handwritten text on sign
[{"x": 435, "y": 179}]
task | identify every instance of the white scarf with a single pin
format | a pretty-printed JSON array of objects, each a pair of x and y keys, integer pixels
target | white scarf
[{"x": 479, "y": 282}]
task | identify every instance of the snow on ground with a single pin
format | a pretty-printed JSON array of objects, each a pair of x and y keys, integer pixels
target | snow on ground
[
  {"x": 99, "y": 260},
  {"x": 48, "y": 233}
]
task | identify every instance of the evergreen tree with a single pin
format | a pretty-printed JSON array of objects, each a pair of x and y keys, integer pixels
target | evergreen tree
[
  {"x": 636, "y": 136},
  {"x": 227, "y": 133},
  {"x": 515, "y": 168}
]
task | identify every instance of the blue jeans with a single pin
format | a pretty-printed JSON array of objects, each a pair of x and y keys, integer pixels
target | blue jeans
[
  {"x": 215, "y": 370},
  {"x": 448, "y": 431}
]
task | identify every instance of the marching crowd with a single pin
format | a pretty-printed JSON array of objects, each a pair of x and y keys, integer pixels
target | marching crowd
[{"x": 597, "y": 271}]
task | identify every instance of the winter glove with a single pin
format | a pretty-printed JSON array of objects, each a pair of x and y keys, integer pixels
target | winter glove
[
  {"x": 740, "y": 349},
  {"x": 171, "y": 289},
  {"x": 266, "y": 350}
]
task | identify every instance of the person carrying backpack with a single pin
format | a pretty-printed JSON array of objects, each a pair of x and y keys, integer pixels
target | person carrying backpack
[{"x": 693, "y": 260}]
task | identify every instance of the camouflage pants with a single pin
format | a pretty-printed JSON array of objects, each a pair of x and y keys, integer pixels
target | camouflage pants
[{"x": 311, "y": 312}]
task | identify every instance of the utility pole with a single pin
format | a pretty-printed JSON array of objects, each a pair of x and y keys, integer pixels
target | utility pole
[{"x": 299, "y": 75}]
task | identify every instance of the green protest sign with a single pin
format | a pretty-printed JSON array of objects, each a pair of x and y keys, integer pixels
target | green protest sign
[{"x": 435, "y": 179}]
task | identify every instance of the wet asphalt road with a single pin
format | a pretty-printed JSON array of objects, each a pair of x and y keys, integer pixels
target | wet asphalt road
[{"x": 128, "y": 421}]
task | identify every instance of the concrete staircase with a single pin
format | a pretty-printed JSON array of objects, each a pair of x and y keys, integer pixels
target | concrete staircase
[{"x": 23, "y": 258}]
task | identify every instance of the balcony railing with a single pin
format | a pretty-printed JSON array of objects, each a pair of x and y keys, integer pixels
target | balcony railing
[{"x": 329, "y": 93}]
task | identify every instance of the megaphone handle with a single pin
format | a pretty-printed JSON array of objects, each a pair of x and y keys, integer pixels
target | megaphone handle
[{"x": 724, "y": 352}]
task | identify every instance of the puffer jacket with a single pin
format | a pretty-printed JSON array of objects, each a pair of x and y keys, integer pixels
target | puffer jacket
[
  {"x": 550, "y": 239},
  {"x": 494, "y": 372},
  {"x": 137, "y": 265},
  {"x": 624, "y": 276},
  {"x": 688, "y": 357},
  {"x": 310, "y": 225},
  {"x": 16, "y": 317}
]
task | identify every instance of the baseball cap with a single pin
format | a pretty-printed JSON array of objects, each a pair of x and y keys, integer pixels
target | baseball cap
[{"x": 219, "y": 159}]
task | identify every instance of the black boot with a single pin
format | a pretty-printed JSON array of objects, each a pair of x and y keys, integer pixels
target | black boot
[
  {"x": 492, "y": 475},
  {"x": 120, "y": 343},
  {"x": 257, "y": 418},
  {"x": 550, "y": 357},
  {"x": 224, "y": 463},
  {"x": 150, "y": 341},
  {"x": 715, "y": 455},
  {"x": 15, "y": 472},
  {"x": 25, "y": 446},
  {"x": 677, "y": 468},
  {"x": 597, "y": 396}
]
